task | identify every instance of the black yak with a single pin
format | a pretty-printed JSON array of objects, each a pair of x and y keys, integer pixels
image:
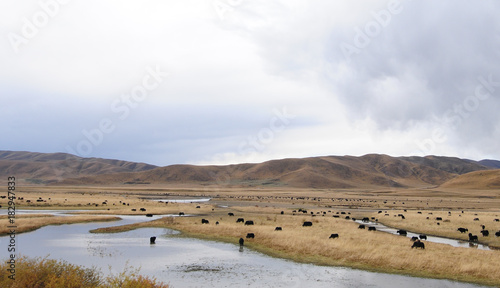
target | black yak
[{"x": 418, "y": 244}]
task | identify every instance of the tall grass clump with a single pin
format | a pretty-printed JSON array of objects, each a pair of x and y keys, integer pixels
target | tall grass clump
[{"x": 49, "y": 273}]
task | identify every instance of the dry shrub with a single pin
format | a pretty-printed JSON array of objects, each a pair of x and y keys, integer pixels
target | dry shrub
[
  {"x": 49, "y": 273},
  {"x": 130, "y": 278}
]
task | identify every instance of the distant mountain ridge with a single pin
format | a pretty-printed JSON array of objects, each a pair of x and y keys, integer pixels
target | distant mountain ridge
[
  {"x": 490, "y": 163},
  {"x": 341, "y": 172},
  {"x": 44, "y": 168}
]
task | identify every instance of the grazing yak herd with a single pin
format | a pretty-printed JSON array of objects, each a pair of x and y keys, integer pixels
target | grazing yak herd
[
  {"x": 417, "y": 243},
  {"x": 416, "y": 240}
]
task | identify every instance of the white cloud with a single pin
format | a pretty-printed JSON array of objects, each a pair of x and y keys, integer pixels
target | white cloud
[{"x": 228, "y": 69}]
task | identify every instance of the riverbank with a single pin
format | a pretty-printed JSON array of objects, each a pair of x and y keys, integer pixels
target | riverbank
[
  {"x": 355, "y": 248},
  {"x": 445, "y": 223}
]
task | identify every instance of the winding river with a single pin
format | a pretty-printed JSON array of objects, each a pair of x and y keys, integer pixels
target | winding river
[{"x": 184, "y": 262}]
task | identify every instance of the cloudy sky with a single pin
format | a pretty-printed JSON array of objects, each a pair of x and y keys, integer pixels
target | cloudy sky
[{"x": 231, "y": 81}]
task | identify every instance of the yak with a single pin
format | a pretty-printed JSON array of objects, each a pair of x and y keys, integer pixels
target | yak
[
  {"x": 402, "y": 232},
  {"x": 333, "y": 236},
  {"x": 418, "y": 244},
  {"x": 472, "y": 238}
]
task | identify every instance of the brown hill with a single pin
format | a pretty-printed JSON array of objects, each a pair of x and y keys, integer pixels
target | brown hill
[
  {"x": 475, "y": 180},
  {"x": 369, "y": 171},
  {"x": 40, "y": 168}
]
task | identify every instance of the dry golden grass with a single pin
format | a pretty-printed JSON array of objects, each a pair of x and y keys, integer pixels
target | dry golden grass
[
  {"x": 80, "y": 197},
  {"x": 48, "y": 273},
  {"x": 489, "y": 179},
  {"x": 26, "y": 223},
  {"x": 419, "y": 223},
  {"x": 376, "y": 251}
]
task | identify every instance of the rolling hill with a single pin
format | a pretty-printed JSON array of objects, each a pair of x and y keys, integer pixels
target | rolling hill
[
  {"x": 484, "y": 180},
  {"x": 368, "y": 171},
  {"x": 44, "y": 168}
]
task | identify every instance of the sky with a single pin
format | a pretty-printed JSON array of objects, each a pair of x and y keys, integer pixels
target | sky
[{"x": 236, "y": 81}]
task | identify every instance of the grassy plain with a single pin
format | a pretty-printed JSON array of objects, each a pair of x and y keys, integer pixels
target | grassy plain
[
  {"x": 375, "y": 251},
  {"x": 425, "y": 222}
]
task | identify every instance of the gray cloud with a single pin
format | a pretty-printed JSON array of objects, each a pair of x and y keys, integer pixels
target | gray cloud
[{"x": 227, "y": 72}]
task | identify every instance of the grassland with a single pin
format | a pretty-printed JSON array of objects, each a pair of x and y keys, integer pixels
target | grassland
[
  {"x": 425, "y": 222},
  {"x": 48, "y": 273},
  {"x": 375, "y": 251},
  {"x": 357, "y": 248}
]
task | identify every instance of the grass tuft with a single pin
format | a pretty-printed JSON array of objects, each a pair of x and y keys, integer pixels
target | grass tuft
[{"x": 48, "y": 273}]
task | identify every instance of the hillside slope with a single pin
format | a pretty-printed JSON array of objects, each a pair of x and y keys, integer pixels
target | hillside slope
[
  {"x": 475, "y": 180},
  {"x": 369, "y": 171},
  {"x": 43, "y": 168}
]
